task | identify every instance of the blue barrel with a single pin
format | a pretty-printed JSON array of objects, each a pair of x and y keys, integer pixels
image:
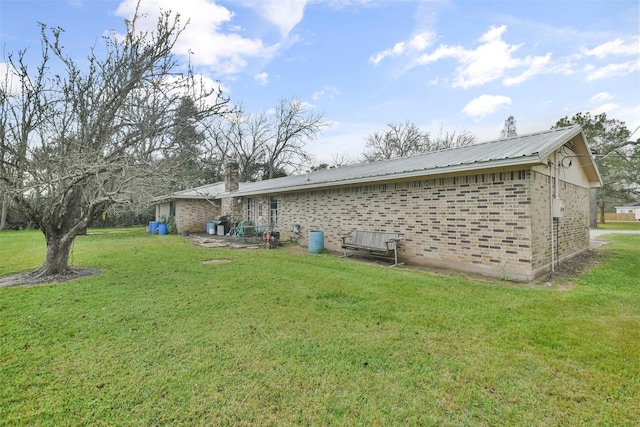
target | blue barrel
[
  {"x": 153, "y": 227},
  {"x": 162, "y": 228},
  {"x": 316, "y": 241}
]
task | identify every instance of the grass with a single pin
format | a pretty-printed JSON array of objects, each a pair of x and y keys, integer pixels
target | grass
[
  {"x": 278, "y": 338},
  {"x": 619, "y": 225}
]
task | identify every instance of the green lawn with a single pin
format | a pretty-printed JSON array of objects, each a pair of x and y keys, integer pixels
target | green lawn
[
  {"x": 619, "y": 225},
  {"x": 278, "y": 338}
]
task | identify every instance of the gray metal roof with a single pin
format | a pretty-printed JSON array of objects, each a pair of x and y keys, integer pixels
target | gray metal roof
[
  {"x": 630, "y": 205},
  {"x": 528, "y": 149},
  {"x": 209, "y": 191}
]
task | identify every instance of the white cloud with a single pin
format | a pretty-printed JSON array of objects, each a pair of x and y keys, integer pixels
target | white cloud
[
  {"x": 602, "y": 96},
  {"x": 630, "y": 46},
  {"x": 485, "y": 105},
  {"x": 328, "y": 92},
  {"x": 478, "y": 66},
  {"x": 284, "y": 14},
  {"x": 9, "y": 80},
  {"x": 203, "y": 40},
  {"x": 536, "y": 64},
  {"x": 612, "y": 70},
  {"x": 417, "y": 43},
  {"x": 607, "y": 108},
  {"x": 262, "y": 78}
]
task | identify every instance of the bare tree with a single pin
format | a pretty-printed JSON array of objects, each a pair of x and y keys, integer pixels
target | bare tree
[
  {"x": 341, "y": 159},
  {"x": 397, "y": 140},
  {"x": 246, "y": 136},
  {"x": 406, "y": 139},
  {"x": 292, "y": 127},
  {"x": 75, "y": 142},
  {"x": 265, "y": 144},
  {"x": 445, "y": 139},
  {"x": 509, "y": 128}
]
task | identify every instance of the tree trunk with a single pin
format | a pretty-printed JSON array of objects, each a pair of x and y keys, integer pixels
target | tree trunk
[
  {"x": 3, "y": 213},
  {"x": 602, "y": 213},
  {"x": 57, "y": 258}
]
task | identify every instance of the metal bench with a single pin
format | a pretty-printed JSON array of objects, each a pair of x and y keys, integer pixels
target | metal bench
[{"x": 372, "y": 241}]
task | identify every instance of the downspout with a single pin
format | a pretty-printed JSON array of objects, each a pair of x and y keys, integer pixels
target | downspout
[
  {"x": 557, "y": 197},
  {"x": 553, "y": 249},
  {"x": 552, "y": 177}
]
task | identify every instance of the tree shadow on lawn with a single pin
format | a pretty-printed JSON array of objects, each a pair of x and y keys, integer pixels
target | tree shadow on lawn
[{"x": 31, "y": 278}]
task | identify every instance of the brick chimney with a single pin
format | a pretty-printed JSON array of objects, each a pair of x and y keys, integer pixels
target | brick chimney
[
  {"x": 231, "y": 178},
  {"x": 231, "y": 206}
]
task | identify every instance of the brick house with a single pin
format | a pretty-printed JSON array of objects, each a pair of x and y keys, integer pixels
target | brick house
[{"x": 512, "y": 207}]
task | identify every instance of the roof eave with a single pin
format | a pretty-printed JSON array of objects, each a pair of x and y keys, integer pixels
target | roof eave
[{"x": 525, "y": 160}]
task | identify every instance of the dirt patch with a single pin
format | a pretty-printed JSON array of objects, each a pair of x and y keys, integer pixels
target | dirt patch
[
  {"x": 566, "y": 272},
  {"x": 216, "y": 261},
  {"x": 31, "y": 278}
]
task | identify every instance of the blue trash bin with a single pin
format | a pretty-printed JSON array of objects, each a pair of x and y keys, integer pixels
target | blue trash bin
[
  {"x": 153, "y": 227},
  {"x": 316, "y": 241},
  {"x": 162, "y": 229}
]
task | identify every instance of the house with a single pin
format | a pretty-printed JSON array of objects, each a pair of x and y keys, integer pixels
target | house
[
  {"x": 192, "y": 208},
  {"x": 512, "y": 207},
  {"x": 630, "y": 208}
]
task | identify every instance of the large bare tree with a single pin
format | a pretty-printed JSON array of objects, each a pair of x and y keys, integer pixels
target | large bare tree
[
  {"x": 396, "y": 140},
  {"x": 75, "y": 139},
  {"x": 267, "y": 144},
  {"x": 292, "y": 127},
  {"x": 406, "y": 139}
]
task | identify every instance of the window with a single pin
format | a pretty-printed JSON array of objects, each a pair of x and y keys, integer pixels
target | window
[
  {"x": 250, "y": 213},
  {"x": 273, "y": 212}
]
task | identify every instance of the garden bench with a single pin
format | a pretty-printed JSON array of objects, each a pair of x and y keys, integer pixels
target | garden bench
[{"x": 373, "y": 242}]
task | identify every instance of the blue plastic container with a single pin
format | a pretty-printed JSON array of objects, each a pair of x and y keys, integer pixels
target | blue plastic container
[
  {"x": 153, "y": 227},
  {"x": 162, "y": 229},
  {"x": 316, "y": 241}
]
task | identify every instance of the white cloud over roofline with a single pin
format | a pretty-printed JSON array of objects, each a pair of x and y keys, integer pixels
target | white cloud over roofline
[{"x": 485, "y": 105}]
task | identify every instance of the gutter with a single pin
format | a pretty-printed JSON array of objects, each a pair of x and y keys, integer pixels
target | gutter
[{"x": 526, "y": 160}]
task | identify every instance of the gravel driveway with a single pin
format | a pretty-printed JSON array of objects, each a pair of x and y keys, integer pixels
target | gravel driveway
[{"x": 594, "y": 234}]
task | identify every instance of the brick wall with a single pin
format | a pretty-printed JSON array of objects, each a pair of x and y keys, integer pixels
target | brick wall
[
  {"x": 192, "y": 215},
  {"x": 494, "y": 223},
  {"x": 571, "y": 231}
]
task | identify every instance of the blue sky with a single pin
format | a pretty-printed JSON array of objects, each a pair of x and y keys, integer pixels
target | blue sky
[{"x": 455, "y": 65}]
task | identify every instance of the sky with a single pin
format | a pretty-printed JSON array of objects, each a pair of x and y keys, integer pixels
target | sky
[{"x": 441, "y": 64}]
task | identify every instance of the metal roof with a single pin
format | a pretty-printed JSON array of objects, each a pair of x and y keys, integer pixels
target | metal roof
[
  {"x": 528, "y": 149},
  {"x": 209, "y": 191},
  {"x": 630, "y": 205}
]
